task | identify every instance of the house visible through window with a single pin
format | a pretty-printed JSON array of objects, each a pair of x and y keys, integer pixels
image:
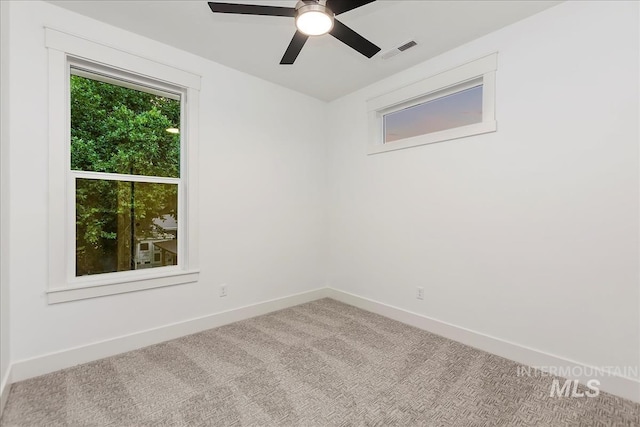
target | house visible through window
[{"x": 125, "y": 164}]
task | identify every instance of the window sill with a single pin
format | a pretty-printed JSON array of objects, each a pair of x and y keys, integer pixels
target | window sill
[
  {"x": 445, "y": 135},
  {"x": 130, "y": 283}
]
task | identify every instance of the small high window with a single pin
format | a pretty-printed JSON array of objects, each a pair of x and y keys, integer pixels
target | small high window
[
  {"x": 453, "y": 104},
  {"x": 458, "y": 109}
]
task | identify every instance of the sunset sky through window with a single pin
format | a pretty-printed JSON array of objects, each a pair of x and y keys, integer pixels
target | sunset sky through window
[{"x": 451, "y": 111}]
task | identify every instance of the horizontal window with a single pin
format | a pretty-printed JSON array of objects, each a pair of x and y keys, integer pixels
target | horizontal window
[
  {"x": 450, "y": 111},
  {"x": 453, "y": 104}
]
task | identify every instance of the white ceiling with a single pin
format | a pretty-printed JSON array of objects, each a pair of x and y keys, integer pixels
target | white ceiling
[{"x": 326, "y": 68}]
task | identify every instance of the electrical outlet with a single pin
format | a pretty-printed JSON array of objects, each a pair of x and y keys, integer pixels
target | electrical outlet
[
  {"x": 223, "y": 291},
  {"x": 420, "y": 293}
]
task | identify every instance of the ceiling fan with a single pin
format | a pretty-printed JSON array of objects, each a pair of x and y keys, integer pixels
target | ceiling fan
[{"x": 313, "y": 18}]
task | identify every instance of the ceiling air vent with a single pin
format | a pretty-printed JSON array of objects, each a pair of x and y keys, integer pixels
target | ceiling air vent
[
  {"x": 407, "y": 45},
  {"x": 399, "y": 49}
]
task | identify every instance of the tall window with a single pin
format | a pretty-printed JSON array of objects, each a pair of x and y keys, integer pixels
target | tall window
[
  {"x": 125, "y": 158},
  {"x": 123, "y": 171}
]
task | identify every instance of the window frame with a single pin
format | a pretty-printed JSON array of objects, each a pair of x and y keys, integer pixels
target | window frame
[
  {"x": 66, "y": 51},
  {"x": 478, "y": 72},
  {"x": 119, "y": 78}
]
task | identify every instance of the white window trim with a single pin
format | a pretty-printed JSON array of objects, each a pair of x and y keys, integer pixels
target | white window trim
[
  {"x": 445, "y": 83},
  {"x": 65, "y": 49}
]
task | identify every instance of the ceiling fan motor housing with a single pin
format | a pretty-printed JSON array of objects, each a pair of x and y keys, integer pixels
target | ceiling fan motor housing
[
  {"x": 310, "y": 2},
  {"x": 316, "y": 11}
]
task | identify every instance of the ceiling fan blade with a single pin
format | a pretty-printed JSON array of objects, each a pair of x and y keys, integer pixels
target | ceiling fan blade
[
  {"x": 251, "y": 9},
  {"x": 349, "y": 37},
  {"x": 341, "y": 6},
  {"x": 294, "y": 48}
]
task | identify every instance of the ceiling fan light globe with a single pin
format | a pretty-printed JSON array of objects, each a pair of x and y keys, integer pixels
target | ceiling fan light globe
[{"x": 314, "y": 20}]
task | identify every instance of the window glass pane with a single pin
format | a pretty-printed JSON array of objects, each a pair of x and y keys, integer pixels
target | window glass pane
[
  {"x": 451, "y": 111},
  {"x": 120, "y": 224},
  {"x": 117, "y": 129}
]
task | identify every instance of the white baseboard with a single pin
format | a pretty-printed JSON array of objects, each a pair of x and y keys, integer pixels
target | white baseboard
[
  {"x": 29, "y": 368},
  {"x": 628, "y": 388},
  {"x": 625, "y": 387},
  {"x": 5, "y": 385}
]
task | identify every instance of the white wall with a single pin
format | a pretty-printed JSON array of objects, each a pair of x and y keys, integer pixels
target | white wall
[
  {"x": 529, "y": 234},
  {"x": 4, "y": 203},
  {"x": 262, "y": 180}
]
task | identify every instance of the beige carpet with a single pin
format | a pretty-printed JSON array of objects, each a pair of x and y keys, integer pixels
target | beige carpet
[{"x": 318, "y": 364}]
